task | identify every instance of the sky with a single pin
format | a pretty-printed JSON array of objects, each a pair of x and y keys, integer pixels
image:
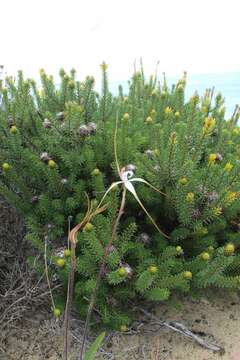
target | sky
[{"x": 199, "y": 36}]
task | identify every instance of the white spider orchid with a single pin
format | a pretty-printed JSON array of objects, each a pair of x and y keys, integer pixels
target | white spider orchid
[{"x": 126, "y": 175}]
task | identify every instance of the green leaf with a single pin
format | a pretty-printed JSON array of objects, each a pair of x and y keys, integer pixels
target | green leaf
[
  {"x": 92, "y": 351},
  {"x": 158, "y": 294},
  {"x": 144, "y": 281}
]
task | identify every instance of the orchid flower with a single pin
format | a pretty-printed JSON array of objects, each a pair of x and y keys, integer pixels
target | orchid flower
[{"x": 126, "y": 174}]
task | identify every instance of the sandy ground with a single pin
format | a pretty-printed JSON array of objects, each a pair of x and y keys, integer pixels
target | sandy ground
[{"x": 39, "y": 337}]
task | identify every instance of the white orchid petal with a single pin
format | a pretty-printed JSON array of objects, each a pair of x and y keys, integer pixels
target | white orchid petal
[
  {"x": 108, "y": 190},
  {"x": 147, "y": 213},
  {"x": 147, "y": 183},
  {"x": 128, "y": 185}
]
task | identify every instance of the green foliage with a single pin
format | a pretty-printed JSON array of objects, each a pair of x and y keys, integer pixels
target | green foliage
[
  {"x": 56, "y": 144},
  {"x": 92, "y": 351}
]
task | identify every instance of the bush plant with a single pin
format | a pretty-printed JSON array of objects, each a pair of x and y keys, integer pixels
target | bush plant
[{"x": 57, "y": 144}]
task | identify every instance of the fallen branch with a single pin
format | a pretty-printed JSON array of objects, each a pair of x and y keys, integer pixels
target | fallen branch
[{"x": 180, "y": 328}]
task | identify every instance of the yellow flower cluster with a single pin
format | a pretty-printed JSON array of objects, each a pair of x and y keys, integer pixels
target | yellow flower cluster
[
  {"x": 217, "y": 211},
  {"x": 168, "y": 111},
  {"x": 190, "y": 197},
  {"x": 230, "y": 197},
  {"x": 228, "y": 167},
  {"x": 103, "y": 66},
  {"x": 209, "y": 124},
  {"x": 212, "y": 158}
]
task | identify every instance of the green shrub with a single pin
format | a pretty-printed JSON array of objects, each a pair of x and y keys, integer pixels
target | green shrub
[{"x": 57, "y": 143}]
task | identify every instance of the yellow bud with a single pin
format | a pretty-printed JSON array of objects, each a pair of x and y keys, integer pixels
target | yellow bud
[
  {"x": 156, "y": 152},
  {"x": 228, "y": 167},
  {"x": 126, "y": 117},
  {"x": 42, "y": 72},
  {"x": 104, "y": 66},
  {"x": 67, "y": 252},
  {"x": 183, "y": 181},
  {"x": 168, "y": 111},
  {"x": 179, "y": 249},
  {"x": 152, "y": 269},
  {"x": 190, "y": 197},
  {"x": 205, "y": 256},
  {"x": 122, "y": 271},
  {"x": 96, "y": 172},
  {"x": 204, "y": 109},
  {"x": 177, "y": 114},
  {"x": 154, "y": 93},
  {"x": 149, "y": 120},
  {"x": 88, "y": 227},
  {"x": 153, "y": 113},
  {"x": 6, "y": 167},
  {"x": 187, "y": 275},
  {"x": 180, "y": 87},
  {"x": 52, "y": 164},
  {"x": 13, "y": 129},
  {"x": 123, "y": 328},
  {"x": 229, "y": 249},
  {"x": 56, "y": 312},
  {"x": 60, "y": 262}
]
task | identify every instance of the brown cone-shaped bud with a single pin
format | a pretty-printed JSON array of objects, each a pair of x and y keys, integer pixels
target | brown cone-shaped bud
[
  {"x": 47, "y": 124},
  {"x": 60, "y": 116},
  {"x": 44, "y": 156},
  {"x": 219, "y": 157},
  {"x": 144, "y": 238},
  {"x": 212, "y": 196},
  {"x": 112, "y": 301},
  {"x": 34, "y": 199},
  {"x": 149, "y": 153},
  {"x": 92, "y": 128},
  {"x": 196, "y": 214},
  {"x": 83, "y": 130},
  {"x": 157, "y": 168},
  {"x": 128, "y": 270},
  {"x": 111, "y": 249},
  {"x": 10, "y": 121}
]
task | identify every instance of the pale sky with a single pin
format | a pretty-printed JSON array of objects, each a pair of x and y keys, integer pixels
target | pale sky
[{"x": 197, "y": 36}]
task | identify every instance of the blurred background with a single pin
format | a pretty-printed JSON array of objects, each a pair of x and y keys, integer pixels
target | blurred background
[{"x": 201, "y": 37}]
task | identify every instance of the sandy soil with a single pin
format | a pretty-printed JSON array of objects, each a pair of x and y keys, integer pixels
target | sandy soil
[{"x": 39, "y": 337}]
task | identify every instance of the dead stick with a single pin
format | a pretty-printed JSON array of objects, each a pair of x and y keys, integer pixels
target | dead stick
[{"x": 180, "y": 328}]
